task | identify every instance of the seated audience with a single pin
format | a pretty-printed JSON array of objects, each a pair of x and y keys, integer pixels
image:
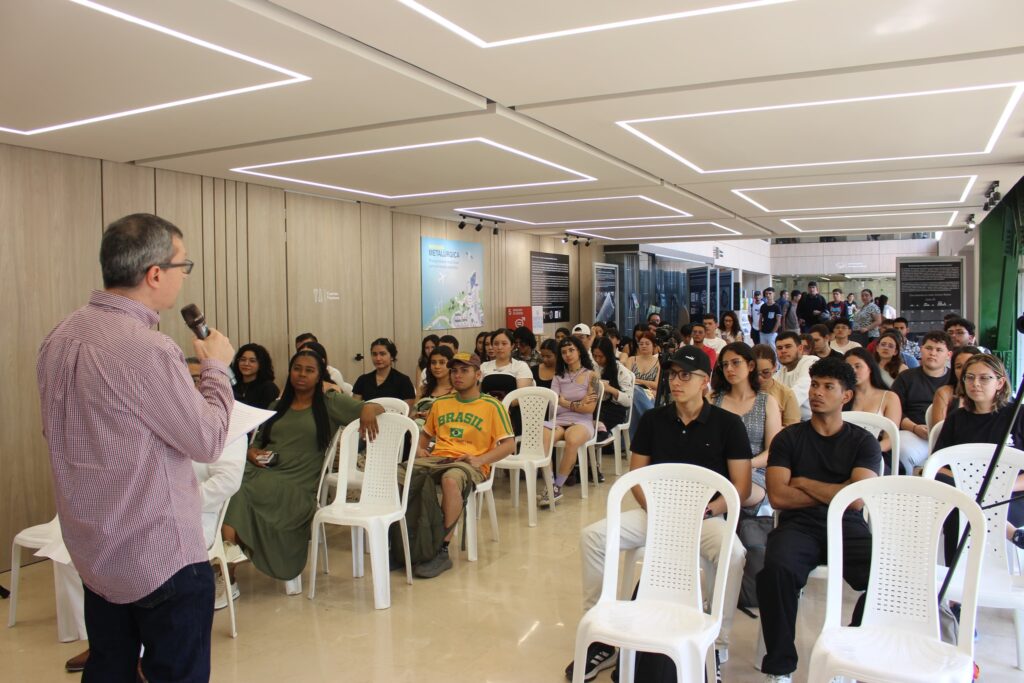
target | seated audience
[
  {"x": 910, "y": 347},
  {"x": 730, "y": 329},
  {"x": 871, "y": 395},
  {"x": 711, "y": 337},
  {"x": 961, "y": 332},
  {"x": 585, "y": 335},
  {"x": 561, "y": 333},
  {"x": 426, "y": 346},
  {"x": 318, "y": 349},
  {"x": 808, "y": 465},
  {"x": 698, "y": 335},
  {"x": 479, "y": 348},
  {"x": 504, "y": 374},
  {"x": 385, "y": 380},
  {"x": 821, "y": 340},
  {"x": 618, "y": 384},
  {"x": 576, "y": 384},
  {"x": 984, "y": 417},
  {"x": 841, "y": 341},
  {"x": 269, "y": 518},
  {"x": 449, "y": 340},
  {"x": 794, "y": 369},
  {"x": 688, "y": 430},
  {"x": 767, "y": 367},
  {"x": 735, "y": 387},
  {"x": 488, "y": 351},
  {"x": 333, "y": 374},
  {"x": 948, "y": 398},
  {"x": 471, "y": 431},
  {"x": 254, "y": 374},
  {"x": 916, "y": 388},
  {"x": 437, "y": 384},
  {"x": 525, "y": 342},
  {"x": 888, "y": 355},
  {"x": 544, "y": 372},
  {"x": 597, "y": 329},
  {"x": 646, "y": 367}
]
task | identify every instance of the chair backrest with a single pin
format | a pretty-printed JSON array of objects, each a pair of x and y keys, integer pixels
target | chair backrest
[
  {"x": 874, "y": 421},
  {"x": 330, "y": 456},
  {"x": 536, "y": 404},
  {"x": 597, "y": 410},
  {"x": 933, "y": 435},
  {"x": 677, "y": 496},
  {"x": 907, "y": 514},
  {"x": 383, "y": 455},
  {"x": 928, "y": 417},
  {"x": 346, "y": 388},
  {"x": 392, "y": 405},
  {"x": 969, "y": 462}
]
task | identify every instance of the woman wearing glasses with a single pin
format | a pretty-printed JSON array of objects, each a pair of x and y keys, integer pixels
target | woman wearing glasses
[
  {"x": 767, "y": 363},
  {"x": 985, "y": 414},
  {"x": 948, "y": 398},
  {"x": 736, "y": 387}
]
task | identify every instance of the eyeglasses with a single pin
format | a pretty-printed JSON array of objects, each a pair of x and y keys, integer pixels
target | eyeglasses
[
  {"x": 185, "y": 265},
  {"x": 983, "y": 380},
  {"x": 765, "y": 373},
  {"x": 683, "y": 375},
  {"x": 735, "y": 363}
]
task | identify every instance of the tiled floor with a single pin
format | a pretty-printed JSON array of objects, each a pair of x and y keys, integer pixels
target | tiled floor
[{"x": 509, "y": 617}]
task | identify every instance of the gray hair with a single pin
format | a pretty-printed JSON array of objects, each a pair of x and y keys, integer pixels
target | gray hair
[{"x": 133, "y": 244}]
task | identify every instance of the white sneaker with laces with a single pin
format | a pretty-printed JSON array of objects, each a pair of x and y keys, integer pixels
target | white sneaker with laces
[
  {"x": 778, "y": 678},
  {"x": 221, "y": 601}
]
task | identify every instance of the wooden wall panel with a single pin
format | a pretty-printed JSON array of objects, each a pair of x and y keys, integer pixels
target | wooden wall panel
[
  {"x": 179, "y": 199},
  {"x": 52, "y": 217},
  {"x": 325, "y": 294},
  {"x": 268, "y": 275},
  {"x": 375, "y": 255},
  {"x": 231, "y": 257},
  {"x": 242, "y": 259},
  {"x": 405, "y": 250},
  {"x": 127, "y": 189},
  {"x": 219, "y": 260},
  {"x": 209, "y": 254}
]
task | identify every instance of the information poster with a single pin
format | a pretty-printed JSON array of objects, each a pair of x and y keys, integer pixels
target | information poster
[
  {"x": 927, "y": 288},
  {"x": 606, "y": 292},
  {"x": 549, "y": 285},
  {"x": 697, "y": 291},
  {"x": 452, "y": 282}
]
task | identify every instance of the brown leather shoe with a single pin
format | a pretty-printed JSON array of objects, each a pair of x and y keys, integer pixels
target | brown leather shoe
[{"x": 77, "y": 663}]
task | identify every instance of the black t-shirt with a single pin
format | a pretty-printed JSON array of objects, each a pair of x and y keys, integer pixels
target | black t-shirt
[
  {"x": 770, "y": 314},
  {"x": 714, "y": 437},
  {"x": 916, "y": 391},
  {"x": 963, "y": 426},
  {"x": 828, "y": 459},
  {"x": 396, "y": 385},
  {"x": 256, "y": 394},
  {"x": 810, "y": 303}
]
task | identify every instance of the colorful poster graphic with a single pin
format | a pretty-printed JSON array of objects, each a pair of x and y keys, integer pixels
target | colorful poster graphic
[{"x": 451, "y": 275}]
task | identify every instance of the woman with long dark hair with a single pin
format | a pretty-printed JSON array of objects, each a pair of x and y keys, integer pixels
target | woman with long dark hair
[
  {"x": 385, "y": 380},
  {"x": 426, "y": 346},
  {"x": 735, "y": 386},
  {"x": 871, "y": 395},
  {"x": 617, "y": 380},
  {"x": 544, "y": 373},
  {"x": 576, "y": 384},
  {"x": 888, "y": 354},
  {"x": 269, "y": 516},
  {"x": 438, "y": 382},
  {"x": 729, "y": 328},
  {"x": 948, "y": 398},
  {"x": 504, "y": 374},
  {"x": 255, "y": 372}
]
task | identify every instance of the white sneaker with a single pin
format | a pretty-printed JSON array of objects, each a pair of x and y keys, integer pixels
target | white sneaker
[
  {"x": 221, "y": 601},
  {"x": 293, "y": 586},
  {"x": 778, "y": 678}
]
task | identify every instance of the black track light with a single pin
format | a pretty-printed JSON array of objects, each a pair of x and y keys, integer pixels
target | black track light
[
  {"x": 462, "y": 223},
  {"x": 588, "y": 241},
  {"x": 575, "y": 241},
  {"x": 971, "y": 223},
  {"x": 479, "y": 225},
  {"x": 565, "y": 240},
  {"x": 494, "y": 230}
]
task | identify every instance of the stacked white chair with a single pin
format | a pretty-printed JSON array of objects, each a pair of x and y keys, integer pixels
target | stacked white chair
[
  {"x": 380, "y": 502},
  {"x": 536, "y": 404},
  {"x": 898, "y": 639},
  {"x": 667, "y": 616},
  {"x": 1002, "y": 585}
]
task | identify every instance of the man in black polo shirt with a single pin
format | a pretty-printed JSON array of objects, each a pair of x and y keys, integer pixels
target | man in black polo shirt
[
  {"x": 688, "y": 430},
  {"x": 808, "y": 464}
]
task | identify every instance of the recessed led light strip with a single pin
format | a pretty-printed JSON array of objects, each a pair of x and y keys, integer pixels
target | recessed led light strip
[
  {"x": 1011, "y": 104},
  {"x": 293, "y": 76},
  {"x": 480, "y": 42},
  {"x": 948, "y": 224},
  {"x": 971, "y": 179},
  {"x": 481, "y": 210},
  {"x": 590, "y": 232},
  {"x": 580, "y": 177}
]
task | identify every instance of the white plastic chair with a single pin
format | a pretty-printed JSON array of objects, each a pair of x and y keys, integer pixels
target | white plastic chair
[
  {"x": 536, "y": 404},
  {"x": 216, "y": 553},
  {"x": 898, "y": 639},
  {"x": 928, "y": 417},
  {"x": 346, "y": 388},
  {"x": 667, "y": 616},
  {"x": 871, "y": 421},
  {"x": 933, "y": 435},
  {"x": 586, "y": 457},
  {"x": 617, "y": 437},
  {"x": 392, "y": 405},
  {"x": 484, "y": 492},
  {"x": 67, "y": 586},
  {"x": 380, "y": 503},
  {"x": 1000, "y": 587}
]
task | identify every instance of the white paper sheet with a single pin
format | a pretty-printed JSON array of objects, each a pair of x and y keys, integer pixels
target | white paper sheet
[{"x": 244, "y": 419}]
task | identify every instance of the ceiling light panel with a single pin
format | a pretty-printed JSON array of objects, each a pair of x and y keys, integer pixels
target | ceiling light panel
[
  {"x": 583, "y": 210},
  {"x": 860, "y": 194},
  {"x": 448, "y": 167},
  {"x": 500, "y": 24},
  {"x": 80, "y": 62},
  {"x": 875, "y": 222},
  {"x": 664, "y": 231},
  {"x": 964, "y": 121}
]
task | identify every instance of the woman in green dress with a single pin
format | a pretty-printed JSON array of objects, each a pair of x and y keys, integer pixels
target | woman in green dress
[{"x": 270, "y": 515}]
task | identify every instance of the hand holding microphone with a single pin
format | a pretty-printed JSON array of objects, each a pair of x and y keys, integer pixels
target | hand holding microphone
[{"x": 209, "y": 343}]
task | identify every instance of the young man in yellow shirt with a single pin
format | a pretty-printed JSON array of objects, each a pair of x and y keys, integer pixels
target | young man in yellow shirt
[{"x": 470, "y": 431}]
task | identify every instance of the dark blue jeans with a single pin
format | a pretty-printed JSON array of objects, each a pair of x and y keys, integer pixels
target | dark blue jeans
[{"x": 173, "y": 623}]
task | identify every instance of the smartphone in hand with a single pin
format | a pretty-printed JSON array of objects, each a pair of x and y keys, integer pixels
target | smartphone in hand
[{"x": 268, "y": 459}]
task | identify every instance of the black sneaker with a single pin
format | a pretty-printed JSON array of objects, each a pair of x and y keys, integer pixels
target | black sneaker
[
  {"x": 599, "y": 658},
  {"x": 431, "y": 568},
  {"x": 1018, "y": 537}
]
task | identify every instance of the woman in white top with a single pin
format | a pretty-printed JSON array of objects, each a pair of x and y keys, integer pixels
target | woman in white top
[
  {"x": 729, "y": 329},
  {"x": 504, "y": 374},
  {"x": 870, "y": 395}
]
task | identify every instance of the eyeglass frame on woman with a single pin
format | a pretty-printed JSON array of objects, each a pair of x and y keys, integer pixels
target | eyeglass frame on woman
[{"x": 187, "y": 265}]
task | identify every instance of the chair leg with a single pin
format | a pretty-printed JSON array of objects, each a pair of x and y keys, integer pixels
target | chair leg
[
  {"x": 492, "y": 511},
  {"x": 378, "y": 534},
  {"x": 70, "y": 597},
  {"x": 513, "y": 482},
  {"x": 583, "y": 464},
  {"x": 323, "y": 541},
  {"x": 617, "y": 445},
  {"x": 1018, "y": 625},
  {"x": 627, "y": 665},
  {"x": 469, "y": 530},
  {"x": 222, "y": 563},
  {"x": 315, "y": 543},
  {"x": 405, "y": 548},
  {"x": 358, "y": 568},
  {"x": 531, "y": 492},
  {"x": 549, "y": 482},
  {"x": 15, "y": 578}
]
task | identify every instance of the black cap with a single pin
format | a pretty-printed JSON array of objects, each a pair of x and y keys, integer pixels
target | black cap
[{"x": 691, "y": 358}]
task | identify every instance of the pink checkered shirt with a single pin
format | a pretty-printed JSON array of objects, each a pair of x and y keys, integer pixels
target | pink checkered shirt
[{"x": 124, "y": 421}]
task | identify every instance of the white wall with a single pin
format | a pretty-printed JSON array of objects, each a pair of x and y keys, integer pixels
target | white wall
[{"x": 822, "y": 258}]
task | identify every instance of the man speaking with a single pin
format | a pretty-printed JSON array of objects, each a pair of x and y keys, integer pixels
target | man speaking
[{"x": 124, "y": 422}]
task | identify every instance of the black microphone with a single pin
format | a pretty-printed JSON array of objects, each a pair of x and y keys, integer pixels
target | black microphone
[{"x": 196, "y": 321}]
